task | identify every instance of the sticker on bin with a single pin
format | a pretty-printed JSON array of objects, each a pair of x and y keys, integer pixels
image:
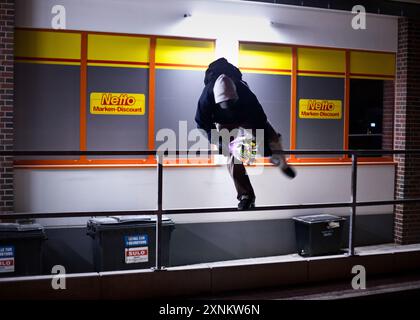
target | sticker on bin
[
  {"x": 136, "y": 240},
  {"x": 136, "y": 255},
  {"x": 7, "y": 259},
  {"x": 332, "y": 225},
  {"x": 327, "y": 233}
]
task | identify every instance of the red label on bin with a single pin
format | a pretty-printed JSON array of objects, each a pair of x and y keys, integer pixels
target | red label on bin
[
  {"x": 7, "y": 263},
  {"x": 136, "y": 255}
]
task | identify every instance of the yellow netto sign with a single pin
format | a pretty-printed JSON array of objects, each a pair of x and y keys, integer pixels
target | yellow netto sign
[
  {"x": 320, "y": 109},
  {"x": 117, "y": 103}
]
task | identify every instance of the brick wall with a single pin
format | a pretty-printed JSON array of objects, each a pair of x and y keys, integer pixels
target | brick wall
[
  {"x": 407, "y": 130},
  {"x": 7, "y": 18},
  {"x": 388, "y": 116}
]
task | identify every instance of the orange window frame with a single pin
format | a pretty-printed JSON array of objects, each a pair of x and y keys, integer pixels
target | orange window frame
[
  {"x": 293, "y": 104},
  {"x": 83, "y": 161}
]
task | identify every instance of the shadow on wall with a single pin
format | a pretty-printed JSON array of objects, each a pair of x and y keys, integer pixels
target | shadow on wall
[
  {"x": 70, "y": 247},
  {"x": 25, "y": 11},
  {"x": 211, "y": 242}
]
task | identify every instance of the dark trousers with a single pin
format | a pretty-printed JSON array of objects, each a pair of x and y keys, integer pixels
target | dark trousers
[{"x": 237, "y": 170}]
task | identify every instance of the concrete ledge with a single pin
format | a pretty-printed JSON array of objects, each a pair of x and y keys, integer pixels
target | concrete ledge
[
  {"x": 407, "y": 261},
  {"x": 84, "y": 286},
  {"x": 153, "y": 284},
  {"x": 376, "y": 264},
  {"x": 226, "y": 278},
  {"x": 329, "y": 268},
  {"x": 340, "y": 267}
]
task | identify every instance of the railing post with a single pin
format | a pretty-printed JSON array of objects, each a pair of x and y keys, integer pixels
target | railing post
[
  {"x": 352, "y": 224},
  {"x": 158, "y": 265}
]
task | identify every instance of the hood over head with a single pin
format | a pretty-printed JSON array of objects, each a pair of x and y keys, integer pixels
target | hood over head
[{"x": 221, "y": 66}]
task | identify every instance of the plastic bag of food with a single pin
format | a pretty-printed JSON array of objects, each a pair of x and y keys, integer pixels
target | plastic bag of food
[{"x": 244, "y": 148}]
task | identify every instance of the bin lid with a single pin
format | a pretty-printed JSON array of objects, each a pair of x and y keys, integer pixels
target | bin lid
[
  {"x": 111, "y": 223},
  {"x": 133, "y": 219},
  {"x": 10, "y": 231},
  {"x": 318, "y": 218},
  {"x": 16, "y": 227}
]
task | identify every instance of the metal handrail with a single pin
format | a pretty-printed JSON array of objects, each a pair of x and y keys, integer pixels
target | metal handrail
[
  {"x": 17, "y": 153},
  {"x": 353, "y": 204},
  {"x": 79, "y": 214}
]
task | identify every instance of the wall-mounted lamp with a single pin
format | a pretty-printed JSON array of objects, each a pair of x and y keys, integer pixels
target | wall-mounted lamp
[
  {"x": 187, "y": 15},
  {"x": 276, "y": 24}
]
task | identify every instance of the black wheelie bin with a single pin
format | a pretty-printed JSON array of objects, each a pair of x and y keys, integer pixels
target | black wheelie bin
[
  {"x": 21, "y": 249},
  {"x": 128, "y": 242},
  {"x": 319, "y": 234}
]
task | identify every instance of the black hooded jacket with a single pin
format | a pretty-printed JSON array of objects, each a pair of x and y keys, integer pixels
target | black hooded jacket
[{"x": 246, "y": 110}]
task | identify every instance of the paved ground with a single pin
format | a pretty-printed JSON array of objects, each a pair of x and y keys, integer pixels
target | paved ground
[{"x": 404, "y": 286}]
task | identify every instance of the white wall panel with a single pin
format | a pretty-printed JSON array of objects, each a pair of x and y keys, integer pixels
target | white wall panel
[{"x": 129, "y": 189}]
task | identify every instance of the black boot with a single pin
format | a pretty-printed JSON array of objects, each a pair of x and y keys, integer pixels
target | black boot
[
  {"x": 246, "y": 203},
  {"x": 289, "y": 171}
]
